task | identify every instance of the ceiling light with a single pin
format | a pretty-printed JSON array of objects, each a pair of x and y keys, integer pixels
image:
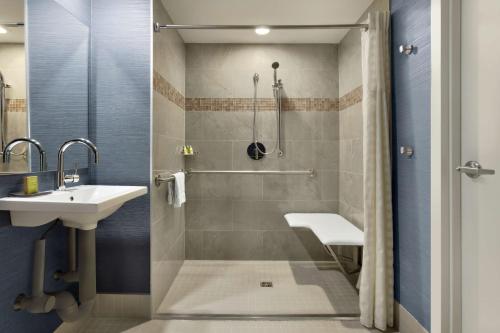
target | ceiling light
[
  {"x": 262, "y": 31},
  {"x": 2, "y": 30}
]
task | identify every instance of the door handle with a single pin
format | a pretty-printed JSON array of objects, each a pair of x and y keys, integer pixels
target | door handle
[{"x": 473, "y": 169}]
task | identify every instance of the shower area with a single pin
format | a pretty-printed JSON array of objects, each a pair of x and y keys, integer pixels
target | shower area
[
  {"x": 13, "y": 110},
  {"x": 261, "y": 126}
]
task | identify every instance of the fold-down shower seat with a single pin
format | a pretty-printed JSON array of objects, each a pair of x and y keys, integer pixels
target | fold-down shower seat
[{"x": 331, "y": 230}]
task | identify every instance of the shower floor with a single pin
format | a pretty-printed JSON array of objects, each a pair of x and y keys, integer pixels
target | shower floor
[{"x": 234, "y": 287}]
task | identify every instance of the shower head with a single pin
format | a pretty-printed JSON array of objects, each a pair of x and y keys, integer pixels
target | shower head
[
  {"x": 255, "y": 78},
  {"x": 275, "y": 66}
]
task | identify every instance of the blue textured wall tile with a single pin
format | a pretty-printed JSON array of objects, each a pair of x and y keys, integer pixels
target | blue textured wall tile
[
  {"x": 411, "y": 111},
  {"x": 78, "y": 8},
  {"x": 16, "y": 258},
  {"x": 120, "y": 116},
  {"x": 57, "y": 68},
  {"x": 58, "y": 47}
]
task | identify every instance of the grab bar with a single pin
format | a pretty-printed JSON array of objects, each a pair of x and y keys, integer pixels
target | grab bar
[
  {"x": 309, "y": 172},
  {"x": 159, "y": 179}
]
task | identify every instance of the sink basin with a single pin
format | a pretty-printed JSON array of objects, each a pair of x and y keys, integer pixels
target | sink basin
[{"x": 80, "y": 207}]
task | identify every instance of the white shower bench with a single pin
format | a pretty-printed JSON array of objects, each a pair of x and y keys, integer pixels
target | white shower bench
[{"x": 331, "y": 230}]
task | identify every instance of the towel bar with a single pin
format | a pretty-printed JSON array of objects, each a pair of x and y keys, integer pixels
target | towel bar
[{"x": 160, "y": 179}]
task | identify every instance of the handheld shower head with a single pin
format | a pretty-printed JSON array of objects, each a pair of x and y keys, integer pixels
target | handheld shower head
[
  {"x": 255, "y": 78},
  {"x": 275, "y": 66}
]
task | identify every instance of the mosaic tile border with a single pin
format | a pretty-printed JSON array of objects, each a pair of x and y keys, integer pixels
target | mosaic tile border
[
  {"x": 166, "y": 89},
  {"x": 15, "y": 105},
  {"x": 353, "y": 97},
  {"x": 267, "y": 104},
  {"x": 263, "y": 104}
]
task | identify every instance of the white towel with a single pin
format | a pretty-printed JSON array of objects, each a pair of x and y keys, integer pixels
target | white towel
[{"x": 180, "y": 189}]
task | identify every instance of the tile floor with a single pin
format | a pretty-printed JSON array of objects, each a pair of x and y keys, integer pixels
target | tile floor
[
  {"x": 110, "y": 325},
  {"x": 233, "y": 287},
  {"x": 209, "y": 326},
  {"x": 118, "y": 325}
]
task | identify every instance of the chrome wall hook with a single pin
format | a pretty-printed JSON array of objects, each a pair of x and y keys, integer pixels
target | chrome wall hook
[
  {"x": 406, "y": 151},
  {"x": 407, "y": 49}
]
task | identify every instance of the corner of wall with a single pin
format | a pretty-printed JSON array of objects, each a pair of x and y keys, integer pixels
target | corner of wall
[{"x": 405, "y": 322}]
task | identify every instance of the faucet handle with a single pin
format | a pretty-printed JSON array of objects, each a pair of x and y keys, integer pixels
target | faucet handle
[{"x": 74, "y": 178}]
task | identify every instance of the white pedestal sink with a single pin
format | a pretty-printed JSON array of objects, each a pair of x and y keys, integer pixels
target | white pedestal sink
[{"x": 80, "y": 207}]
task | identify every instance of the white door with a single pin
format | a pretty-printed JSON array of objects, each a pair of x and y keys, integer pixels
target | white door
[{"x": 481, "y": 143}]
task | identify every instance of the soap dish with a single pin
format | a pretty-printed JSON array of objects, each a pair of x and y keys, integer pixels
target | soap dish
[{"x": 22, "y": 194}]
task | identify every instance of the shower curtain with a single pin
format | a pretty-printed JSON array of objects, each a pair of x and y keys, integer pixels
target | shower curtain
[{"x": 377, "y": 275}]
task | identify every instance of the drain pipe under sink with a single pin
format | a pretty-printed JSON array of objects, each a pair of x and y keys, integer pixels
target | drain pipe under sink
[
  {"x": 38, "y": 302},
  {"x": 72, "y": 274},
  {"x": 66, "y": 306},
  {"x": 63, "y": 302}
]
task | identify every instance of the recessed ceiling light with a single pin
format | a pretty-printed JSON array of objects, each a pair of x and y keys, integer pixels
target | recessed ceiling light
[
  {"x": 262, "y": 31},
  {"x": 2, "y": 30}
]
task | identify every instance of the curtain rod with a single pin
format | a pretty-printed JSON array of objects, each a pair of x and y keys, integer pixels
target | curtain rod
[{"x": 158, "y": 26}]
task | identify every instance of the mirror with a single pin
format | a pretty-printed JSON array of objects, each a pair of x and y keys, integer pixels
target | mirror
[{"x": 44, "y": 82}]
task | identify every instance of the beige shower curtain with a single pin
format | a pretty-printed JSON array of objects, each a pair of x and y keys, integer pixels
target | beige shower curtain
[{"x": 377, "y": 275}]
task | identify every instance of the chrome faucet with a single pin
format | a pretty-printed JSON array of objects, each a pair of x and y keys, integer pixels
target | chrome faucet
[
  {"x": 61, "y": 178},
  {"x": 10, "y": 146}
]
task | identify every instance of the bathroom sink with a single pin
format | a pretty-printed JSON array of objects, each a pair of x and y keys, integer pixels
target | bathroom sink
[{"x": 80, "y": 207}]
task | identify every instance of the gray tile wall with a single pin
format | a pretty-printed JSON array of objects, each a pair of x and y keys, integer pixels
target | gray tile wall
[
  {"x": 167, "y": 223},
  {"x": 241, "y": 217},
  {"x": 350, "y": 131},
  {"x": 351, "y": 164}
]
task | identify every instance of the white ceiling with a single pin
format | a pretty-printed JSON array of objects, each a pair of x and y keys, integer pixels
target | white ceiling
[
  {"x": 12, "y": 11},
  {"x": 258, "y": 12}
]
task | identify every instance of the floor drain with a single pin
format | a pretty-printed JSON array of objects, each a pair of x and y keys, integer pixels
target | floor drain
[{"x": 266, "y": 284}]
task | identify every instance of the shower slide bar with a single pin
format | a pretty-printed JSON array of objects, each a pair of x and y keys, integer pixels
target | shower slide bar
[
  {"x": 160, "y": 179},
  {"x": 158, "y": 26}
]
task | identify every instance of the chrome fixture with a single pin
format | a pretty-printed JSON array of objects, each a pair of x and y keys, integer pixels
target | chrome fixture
[
  {"x": 157, "y": 26},
  {"x": 406, "y": 151},
  {"x": 12, "y": 24},
  {"x": 406, "y": 49},
  {"x": 61, "y": 178},
  {"x": 262, "y": 31},
  {"x": 277, "y": 91},
  {"x": 7, "y": 151},
  {"x": 3, "y": 110},
  {"x": 275, "y": 65},
  {"x": 309, "y": 172},
  {"x": 474, "y": 170},
  {"x": 160, "y": 179},
  {"x": 256, "y": 150}
]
